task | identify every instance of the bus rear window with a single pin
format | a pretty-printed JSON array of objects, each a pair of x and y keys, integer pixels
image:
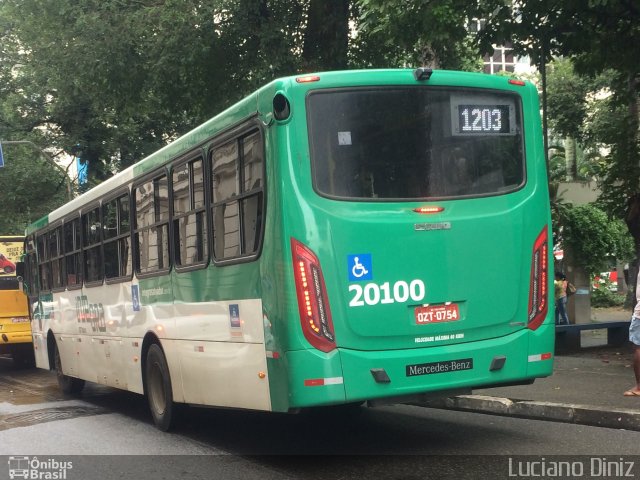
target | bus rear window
[{"x": 415, "y": 143}]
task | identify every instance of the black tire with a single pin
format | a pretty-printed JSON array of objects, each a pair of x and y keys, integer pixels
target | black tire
[
  {"x": 158, "y": 389},
  {"x": 68, "y": 385},
  {"x": 8, "y": 269}
]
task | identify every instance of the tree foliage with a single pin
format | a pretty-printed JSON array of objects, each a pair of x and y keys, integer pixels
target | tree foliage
[
  {"x": 567, "y": 98},
  {"x": 432, "y": 33},
  {"x": 592, "y": 238},
  {"x": 601, "y": 36},
  {"x": 30, "y": 187}
]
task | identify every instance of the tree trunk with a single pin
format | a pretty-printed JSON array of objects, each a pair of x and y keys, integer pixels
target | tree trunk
[
  {"x": 326, "y": 40},
  {"x": 570, "y": 158}
]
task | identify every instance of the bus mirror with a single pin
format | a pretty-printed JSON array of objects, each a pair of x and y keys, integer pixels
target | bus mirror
[
  {"x": 281, "y": 107},
  {"x": 20, "y": 269}
]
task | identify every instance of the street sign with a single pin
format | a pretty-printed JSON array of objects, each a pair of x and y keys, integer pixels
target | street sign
[{"x": 1, "y": 157}]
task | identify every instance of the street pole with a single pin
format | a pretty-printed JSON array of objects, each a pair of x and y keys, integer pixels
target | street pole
[{"x": 48, "y": 158}]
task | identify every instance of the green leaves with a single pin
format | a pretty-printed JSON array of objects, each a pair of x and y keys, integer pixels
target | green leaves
[
  {"x": 30, "y": 187},
  {"x": 592, "y": 237}
]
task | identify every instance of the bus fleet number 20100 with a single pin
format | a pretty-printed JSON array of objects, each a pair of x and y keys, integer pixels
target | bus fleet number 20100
[{"x": 399, "y": 292}]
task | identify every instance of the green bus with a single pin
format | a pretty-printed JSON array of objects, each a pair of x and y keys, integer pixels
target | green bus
[{"x": 332, "y": 239}]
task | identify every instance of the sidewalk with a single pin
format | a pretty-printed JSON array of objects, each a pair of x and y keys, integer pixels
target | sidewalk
[{"x": 585, "y": 388}]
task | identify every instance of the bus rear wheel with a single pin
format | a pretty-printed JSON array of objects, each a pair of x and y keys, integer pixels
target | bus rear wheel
[
  {"x": 158, "y": 388},
  {"x": 68, "y": 385}
]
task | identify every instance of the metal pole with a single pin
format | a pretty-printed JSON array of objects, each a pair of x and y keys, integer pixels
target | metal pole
[{"x": 48, "y": 157}]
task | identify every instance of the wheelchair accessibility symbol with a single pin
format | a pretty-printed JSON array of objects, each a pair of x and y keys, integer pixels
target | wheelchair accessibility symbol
[{"x": 359, "y": 266}]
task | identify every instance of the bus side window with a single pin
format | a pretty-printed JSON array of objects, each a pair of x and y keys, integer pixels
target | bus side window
[
  {"x": 116, "y": 242},
  {"x": 189, "y": 219},
  {"x": 237, "y": 170},
  {"x": 152, "y": 226},
  {"x": 44, "y": 275},
  {"x": 92, "y": 245},
  {"x": 72, "y": 251}
]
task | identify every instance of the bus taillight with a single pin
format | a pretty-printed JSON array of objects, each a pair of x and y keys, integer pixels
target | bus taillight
[
  {"x": 539, "y": 283},
  {"x": 313, "y": 303}
]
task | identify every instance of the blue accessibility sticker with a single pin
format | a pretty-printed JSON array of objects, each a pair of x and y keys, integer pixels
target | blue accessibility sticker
[
  {"x": 135, "y": 298},
  {"x": 359, "y": 267},
  {"x": 234, "y": 315}
]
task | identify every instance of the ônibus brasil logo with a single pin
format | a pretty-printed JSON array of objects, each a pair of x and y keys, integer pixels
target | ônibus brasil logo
[{"x": 37, "y": 469}]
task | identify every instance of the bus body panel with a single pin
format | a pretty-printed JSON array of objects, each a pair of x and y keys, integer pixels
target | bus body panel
[
  {"x": 101, "y": 341},
  {"x": 225, "y": 374},
  {"x": 464, "y": 265}
]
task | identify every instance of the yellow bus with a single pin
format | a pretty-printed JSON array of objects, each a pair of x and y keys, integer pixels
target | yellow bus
[{"x": 15, "y": 329}]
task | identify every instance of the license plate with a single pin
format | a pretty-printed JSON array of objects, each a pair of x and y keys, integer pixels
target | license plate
[{"x": 448, "y": 312}]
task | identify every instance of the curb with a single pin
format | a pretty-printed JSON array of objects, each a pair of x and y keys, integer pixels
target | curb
[{"x": 553, "y": 412}]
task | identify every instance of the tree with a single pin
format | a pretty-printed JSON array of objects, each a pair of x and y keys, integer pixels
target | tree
[
  {"x": 567, "y": 108},
  {"x": 592, "y": 238},
  {"x": 431, "y": 33},
  {"x": 42, "y": 188},
  {"x": 600, "y": 36},
  {"x": 117, "y": 79}
]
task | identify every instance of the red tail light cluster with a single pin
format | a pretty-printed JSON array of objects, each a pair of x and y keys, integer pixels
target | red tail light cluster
[
  {"x": 313, "y": 303},
  {"x": 539, "y": 283}
]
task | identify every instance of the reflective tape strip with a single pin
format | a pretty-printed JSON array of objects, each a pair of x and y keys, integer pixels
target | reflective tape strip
[
  {"x": 539, "y": 357},
  {"x": 318, "y": 382},
  {"x": 334, "y": 381}
]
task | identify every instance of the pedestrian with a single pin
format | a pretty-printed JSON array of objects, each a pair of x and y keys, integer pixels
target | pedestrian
[
  {"x": 560, "y": 290},
  {"x": 634, "y": 337}
]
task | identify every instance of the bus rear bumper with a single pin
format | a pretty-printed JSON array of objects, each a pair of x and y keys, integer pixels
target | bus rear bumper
[
  {"x": 346, "y": 375},
  {"x": 8, "y": 339},
  {"x": 516, "y": 358}
]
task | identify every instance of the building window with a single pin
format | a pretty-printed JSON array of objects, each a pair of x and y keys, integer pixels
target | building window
[{"x": 503, "y": 60}]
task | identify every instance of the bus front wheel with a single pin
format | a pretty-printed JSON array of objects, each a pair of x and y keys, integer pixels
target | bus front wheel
[
  {"x": 158, "y": 388},
  {"x": 68, "y": 385}
]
